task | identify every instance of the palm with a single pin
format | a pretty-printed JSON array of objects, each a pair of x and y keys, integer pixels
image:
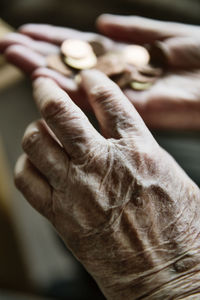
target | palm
[{"x": 171, "y": 103}]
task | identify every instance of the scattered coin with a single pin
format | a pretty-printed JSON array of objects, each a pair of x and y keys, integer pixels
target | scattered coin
[
  {"x": 76, "y": 49},
  {"x": 136, "y": 75},
  {"x": 55, "y": 62},
  {"x": 81, "y": 64},
  {"x": 127, "y": 67},
  {"x": 136, "y": 55},
  {"x": 111, "y": 64},
  {"x": 140, "y": 86}
]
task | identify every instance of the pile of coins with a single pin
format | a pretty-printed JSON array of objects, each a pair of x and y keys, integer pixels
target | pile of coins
[{"x": 128, "y": 67}]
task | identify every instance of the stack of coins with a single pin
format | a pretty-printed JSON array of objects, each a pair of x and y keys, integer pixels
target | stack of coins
[
  {"x": 78, "y": 54},
  {"x": 128, "y": 67}
]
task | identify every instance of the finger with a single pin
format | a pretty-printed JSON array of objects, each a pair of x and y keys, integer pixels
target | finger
[
  {"x": 57, "y": 35},
  {"x": 67, "y": 84},
  {"x": 179, "y": 52},
  {"x": 141, "y": 30},
  {"x": 65, "y": 118},
  {"x": 33, "y": 186},
  {"x": 46, "y": 154},
  {"x": 25, "y": 59},
  {"x": 117, "y": 117},
  {"x": 41, "y": 47}
]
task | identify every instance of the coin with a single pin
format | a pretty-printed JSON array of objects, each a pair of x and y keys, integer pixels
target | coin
[
  {"x": 55, "y": 62},
  {"x": 136, "y": 55},
  {"x": 131, "y": 74},
  {"x": 81, "y": 64},
  {"x": 111, "y": 64},
  {"x": 76, "y": 49},
  {"x": 140, "y": 86}
]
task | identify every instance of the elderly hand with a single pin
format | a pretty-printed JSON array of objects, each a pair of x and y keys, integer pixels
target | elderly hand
[
  {"x": 122, "y": 205},
  {"x": 173, "y": 102}
]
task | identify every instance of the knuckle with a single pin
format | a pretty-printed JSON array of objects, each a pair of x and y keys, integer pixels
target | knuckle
[{"x": 52, "y": 109}]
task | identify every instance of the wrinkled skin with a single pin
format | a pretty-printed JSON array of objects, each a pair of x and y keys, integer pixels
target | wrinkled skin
[
  {"x": 122, "y": 204},
  {"x": 172, "y": 103}
]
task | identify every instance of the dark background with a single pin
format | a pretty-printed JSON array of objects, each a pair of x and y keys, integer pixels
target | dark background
[{"x": 82, "y": 13}]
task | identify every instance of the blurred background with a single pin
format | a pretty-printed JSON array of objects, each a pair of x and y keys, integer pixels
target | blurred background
[{"x": 34, "y": 263}]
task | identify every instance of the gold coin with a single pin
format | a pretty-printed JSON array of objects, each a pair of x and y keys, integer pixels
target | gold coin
[
  {"x": 140, "y": 86},
  {"x": 136, "y": 55},
  {"x": 111, "y": 64},
  {"x": 81, "y": 64},
  {"x": 55, "y": 62},
  {"x": 76, "y": 49}
]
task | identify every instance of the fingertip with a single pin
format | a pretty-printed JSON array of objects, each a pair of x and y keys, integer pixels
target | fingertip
[
  {"x": 103, "y": 22},
  {"x": 106, "y": 18},
  {"x": 42, "y": 82},
  {"x": 91, "y": 78},
  {"x": 13, "y": 50},
  {"x": 29, "y": 27},
  {"x": 91, "y": 74}
]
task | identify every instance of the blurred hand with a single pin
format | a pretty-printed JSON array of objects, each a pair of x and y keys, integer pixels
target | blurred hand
[
  {"x": 29, "y": 47},
  {"x": 122, "y": 205},
  {"x": 173, "y": 102}
]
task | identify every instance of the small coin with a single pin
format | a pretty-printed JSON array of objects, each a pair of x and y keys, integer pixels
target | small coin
[
  {"x": 111, "y": 64},
  {"x": 81, "y": 64},
  {"x": 136, "y": 55},
  {"x": 136, "y": 75},
  {"x": 140, "y": 86},
  {"x": 76, "y": 49},
  {"x": 55, "y": 62}
]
